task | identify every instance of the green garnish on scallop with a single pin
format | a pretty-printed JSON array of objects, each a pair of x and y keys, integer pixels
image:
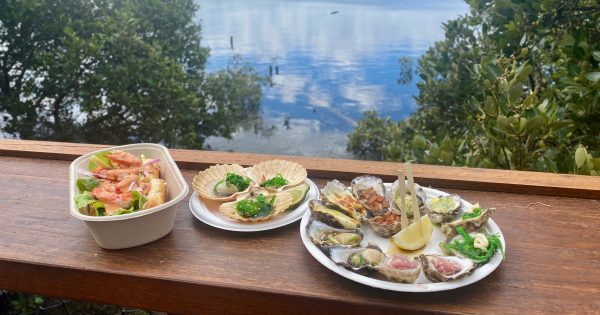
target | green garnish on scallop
[
  {"x": 255, "y": 208},
  {"x": 275, "y": 182},
  {"x": 231, "y": 184}
]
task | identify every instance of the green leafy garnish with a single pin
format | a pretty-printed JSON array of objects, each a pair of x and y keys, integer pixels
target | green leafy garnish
[
  {"x": 84, "y": 199},
  {"x": 255, "y": 208},
  {"x": 275, "y": 182},
  {"x": 99, "y": 160},
  {"x": 467, "y": 246},
  {"x": 87, "y": 183},
  {"x": 237, "y": 180},
  {"x": 137, "y": 200},
  {"x": 97, "y": 209},
  {"x": 475, "y": 213}
]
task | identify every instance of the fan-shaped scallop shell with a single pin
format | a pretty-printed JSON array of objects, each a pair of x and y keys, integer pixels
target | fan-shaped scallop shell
[
  {"x": 283, "y": 200},
  {"x": 205, "y": 181},
  {"x": 294, "y": 173}
]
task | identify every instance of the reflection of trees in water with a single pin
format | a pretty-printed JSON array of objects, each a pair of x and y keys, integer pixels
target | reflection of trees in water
[
  {"x": 116, "y": 72},
  {"x": 406, "y": 70}
]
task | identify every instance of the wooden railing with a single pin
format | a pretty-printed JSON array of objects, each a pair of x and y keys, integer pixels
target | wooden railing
[{"x": 550, "y": 223}]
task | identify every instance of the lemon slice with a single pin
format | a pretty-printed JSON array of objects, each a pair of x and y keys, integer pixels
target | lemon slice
[
  {"x": 298, "y": 194},
  {"x": 415, "y": 235}
]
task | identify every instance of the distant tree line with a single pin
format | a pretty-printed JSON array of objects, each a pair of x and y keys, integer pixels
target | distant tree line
[
  {"x": 108, "y": 71},
  {"x": 515, "y": 84}
]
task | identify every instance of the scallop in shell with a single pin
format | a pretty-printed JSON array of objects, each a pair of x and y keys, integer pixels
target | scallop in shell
[
  {"x": 210, "y": 183},
  {"x": 370, "y": 191},
  {"x": 443, "y": 208},
  {"x": 395, "y": 200},
  {"x": 439, "y": 268},
  {"x": 385, "y": 225},
  {"x": 326, "y": 236},
  {"x": 283, "y": 200},
  {"x": 358, "y": 258},
  {"x": 286, "y": 173},
  {"x": 473, "y": 224},
  {"x": 336, "y": 194},
  {"x": 331, "y": 216},
  {"x": 400, "y": 268}
]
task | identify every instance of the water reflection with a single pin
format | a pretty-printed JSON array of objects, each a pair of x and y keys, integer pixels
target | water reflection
[{"x": 326, "y": 68}]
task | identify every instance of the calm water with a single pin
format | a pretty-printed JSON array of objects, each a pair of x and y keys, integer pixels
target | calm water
[{"x": 330, "y": 61}]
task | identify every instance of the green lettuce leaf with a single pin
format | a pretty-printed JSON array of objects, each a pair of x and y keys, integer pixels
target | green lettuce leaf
[
  {"x": 87, "y": 183},
  {"x": 122, "y": 211},
  {"x": 137, "y": 201},
  {"x": 84, "y": 199}
]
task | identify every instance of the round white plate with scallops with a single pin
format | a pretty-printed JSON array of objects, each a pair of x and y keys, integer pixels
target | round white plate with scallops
[
  {"x": 467, "y": 272},
  {"x": 208, "y": 212}
]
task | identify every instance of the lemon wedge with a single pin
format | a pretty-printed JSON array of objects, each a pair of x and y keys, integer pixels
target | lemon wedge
[{"x": 415, "y": 235}]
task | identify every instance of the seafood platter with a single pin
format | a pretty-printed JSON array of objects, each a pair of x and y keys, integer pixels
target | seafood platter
[
  {"x": 264, "y": 196},
  {"x": 401, "y": 236},
  {"x": 126, "y": 195}
]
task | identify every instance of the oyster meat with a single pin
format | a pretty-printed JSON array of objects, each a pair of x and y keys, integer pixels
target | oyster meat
[
  {"x": 439, "y": 268},
  {"x": 336, "y": 195},
  {"x": 473, "y": 224},
  {"x": 443, "y": 208},
  {"x": 331, "y": 216},
  {"x": 370, "y": 191},
  {"x": 358, "y": 258},
  {"x": 386, "y": 225},
  {"x": 396, "y": 200},
  {"x": 326, "y": 236},
  {"x": 400, "y": 268}
]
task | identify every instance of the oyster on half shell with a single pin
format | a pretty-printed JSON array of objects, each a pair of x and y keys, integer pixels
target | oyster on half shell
[
  {"x": 395, "y": 200},
  {"x": 336, "y": 195},
  {"x": 443, "y": 208},
  {"x": 439, "y": 268},
  {"x": 327, "y": 237},
  {"x": 331, "y": 216},
  {"x": 358, "y": 258},
  {"x": 400, "y": 268},
  {"x": 386, "y": 225},
  {"x": 470, "y": 225},
  {"x": 370, "y": 191}
]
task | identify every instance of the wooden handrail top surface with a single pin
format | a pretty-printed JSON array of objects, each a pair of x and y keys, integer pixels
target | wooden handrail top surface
[
  {"x": 430, "y": 175},
  {"x": 551, "y": 264}
]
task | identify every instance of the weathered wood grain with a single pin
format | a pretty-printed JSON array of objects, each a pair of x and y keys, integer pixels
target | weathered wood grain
[
  {"x": 551, "y": 266},
  {"x": 438, "y": 176}
]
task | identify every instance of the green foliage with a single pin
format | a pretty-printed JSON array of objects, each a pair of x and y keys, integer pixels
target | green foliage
[
  {"x": 107, "y": 71},
  {"x": 514, "y": 85}
]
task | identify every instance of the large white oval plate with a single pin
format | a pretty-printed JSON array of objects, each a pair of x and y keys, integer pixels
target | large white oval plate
[
  {"x": 422, "y": 284},
  {"x": 208, "y": 212}
]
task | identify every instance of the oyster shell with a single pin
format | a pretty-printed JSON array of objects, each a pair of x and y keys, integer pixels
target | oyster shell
[
  {"x": 331, "y": 216},
  {"x": 326, "y": 236},
  {"x": 395, "y": 200},
  {"x": 386, "y": 225},
  {"x": 475, "y": 224},
  {"x": 205, "y": 182},
  {"x": 400, "y": 268},
  {"x": 443, "y": 208},
  {"x": 336, "y": 195},
  {"x": 358, "y": 258},
  {"x": 439, "y": 268},
  {"x": 293, "y": 173},
  {"x": 370, "y": 191},
  {"x": 283, "y": 200}
]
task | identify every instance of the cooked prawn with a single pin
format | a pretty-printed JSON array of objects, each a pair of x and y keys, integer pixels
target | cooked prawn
[{"x": 121, "y": 158}]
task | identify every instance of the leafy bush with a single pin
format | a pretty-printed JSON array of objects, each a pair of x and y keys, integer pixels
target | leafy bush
[
  {"x": 107, "y": 71},
  {"x": 514, "y": 85}
]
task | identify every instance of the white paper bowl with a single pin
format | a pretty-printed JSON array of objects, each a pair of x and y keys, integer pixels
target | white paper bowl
[{"x": 138, "y": 228}]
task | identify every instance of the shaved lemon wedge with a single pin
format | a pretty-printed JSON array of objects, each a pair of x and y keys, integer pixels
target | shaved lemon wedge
[{"x": 415, "y": 235}]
